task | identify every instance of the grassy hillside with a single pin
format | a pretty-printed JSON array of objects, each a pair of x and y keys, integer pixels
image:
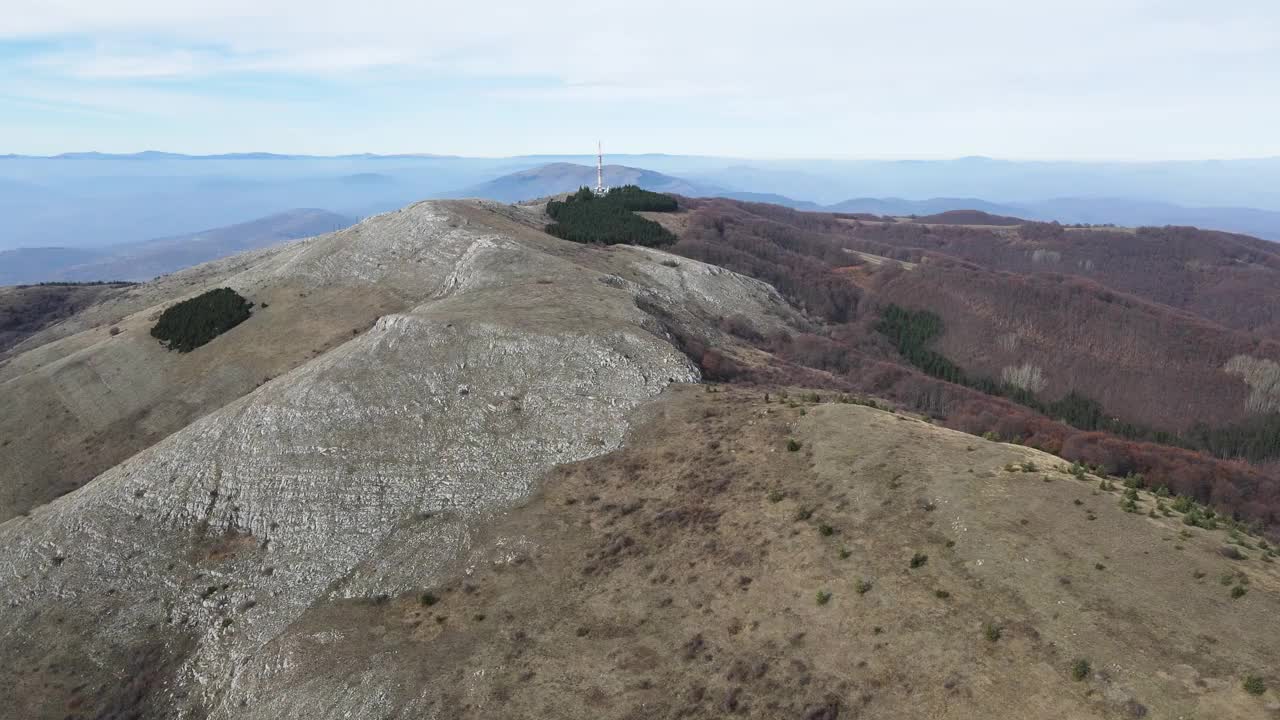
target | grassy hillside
[{"x": 746, "y": 556}]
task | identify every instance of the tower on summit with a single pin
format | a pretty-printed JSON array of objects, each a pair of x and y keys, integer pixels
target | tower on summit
[{"x": 600, "y": 188}]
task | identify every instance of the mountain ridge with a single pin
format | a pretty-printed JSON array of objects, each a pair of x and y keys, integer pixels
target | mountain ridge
[
  {"x": 562, "y": 177},
  {"x": 146, "y": 259}
]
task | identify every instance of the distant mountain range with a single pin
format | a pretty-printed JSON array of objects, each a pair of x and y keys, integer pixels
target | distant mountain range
[
  {"x": 150, "y": 258},
  {"x": 1092, "y": 210},
  {"x": 556, "y": 178},
  {"x": 93, "y": 199}
]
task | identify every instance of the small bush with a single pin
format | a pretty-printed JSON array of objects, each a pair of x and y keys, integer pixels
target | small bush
[
  {"x": 941, "y": 594},
  {"x": 918, "y": 559},
  {"x": 428, "y": 599},
  {"x": 793, "y": 445},
  {"x": 823, "y": 597},
  {"x": 826, "y": 530},
  {"x": 1199, "y": 518},
  {"x": 845, "y": 553},
  {"x": 992, "y": 632},
  {"x": 1254, "y": 685},
  {"x": 1028, "y": 466},
  {"x": 776, "y": 496},
  {"x": 1238, "y": 592},
  {"x": 1231, "y": 552},
  {"x": 863, "y": 587},
  {"x": 1080, "y": 670}
]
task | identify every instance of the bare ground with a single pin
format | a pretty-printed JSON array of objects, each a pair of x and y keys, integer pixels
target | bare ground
[{"x": 687, "y": 575}]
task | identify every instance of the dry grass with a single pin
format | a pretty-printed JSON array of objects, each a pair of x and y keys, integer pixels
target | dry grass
[{"x": 686, "y": 576}]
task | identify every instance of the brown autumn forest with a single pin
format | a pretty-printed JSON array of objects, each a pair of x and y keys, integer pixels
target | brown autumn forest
[{"x": 1149, "y": 324}]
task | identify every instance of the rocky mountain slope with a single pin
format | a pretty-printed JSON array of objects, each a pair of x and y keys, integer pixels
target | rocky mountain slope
[
  {"x": 497, "y": 352},
  {"x": 452, "y": 467}
]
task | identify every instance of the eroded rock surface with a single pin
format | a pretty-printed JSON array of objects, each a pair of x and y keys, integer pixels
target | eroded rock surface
[{"x": 357, "y": 474}]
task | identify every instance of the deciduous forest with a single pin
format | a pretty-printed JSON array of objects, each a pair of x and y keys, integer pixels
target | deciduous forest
[{"x": 867, "y": 338}]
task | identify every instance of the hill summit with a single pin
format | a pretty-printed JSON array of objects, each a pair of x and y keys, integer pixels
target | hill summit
[{"x": 562, "y": 177}]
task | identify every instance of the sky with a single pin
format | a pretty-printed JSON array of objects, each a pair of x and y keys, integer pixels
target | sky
[{"x": 1019, "y": 79}]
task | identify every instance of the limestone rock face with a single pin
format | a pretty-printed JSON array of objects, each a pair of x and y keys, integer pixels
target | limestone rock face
[{"x": 358, "y": 473}]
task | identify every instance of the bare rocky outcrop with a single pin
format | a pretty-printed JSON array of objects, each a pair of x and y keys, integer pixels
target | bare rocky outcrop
[
  {"x": 87, "y": 397},
  {"x": 357, "y": 473}
]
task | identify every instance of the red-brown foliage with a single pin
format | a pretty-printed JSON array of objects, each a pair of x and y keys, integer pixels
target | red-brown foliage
[{"x": 1083, "y": 325}]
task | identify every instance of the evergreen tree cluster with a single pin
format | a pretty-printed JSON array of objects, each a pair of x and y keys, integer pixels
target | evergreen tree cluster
[
  {"x": 194, "y": 322},
  {"x": 1256, "y": 439},
  {"x": 911, "y": 331},
  {"x": 610, "y": 219}
]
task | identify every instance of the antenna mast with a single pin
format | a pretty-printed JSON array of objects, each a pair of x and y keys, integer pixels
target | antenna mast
[{"x": 599, "y": 168}]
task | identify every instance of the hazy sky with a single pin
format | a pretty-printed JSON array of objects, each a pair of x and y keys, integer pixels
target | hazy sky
[{"x": 1063, "y": 79}]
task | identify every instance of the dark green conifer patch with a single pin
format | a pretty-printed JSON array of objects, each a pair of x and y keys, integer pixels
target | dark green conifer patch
[
  {"x": 610, "y": 219},
  {"x": 194, "y": 322}
]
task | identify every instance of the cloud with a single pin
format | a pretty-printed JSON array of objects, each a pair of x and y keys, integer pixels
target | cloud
[
  {"x": 607, "y": 42},
  {"x": 866, "y": 65},
  {"x": 130, "y": 63}
]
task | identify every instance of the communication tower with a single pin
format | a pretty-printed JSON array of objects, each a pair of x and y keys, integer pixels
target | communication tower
[{"x": 600, "y": 188}]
